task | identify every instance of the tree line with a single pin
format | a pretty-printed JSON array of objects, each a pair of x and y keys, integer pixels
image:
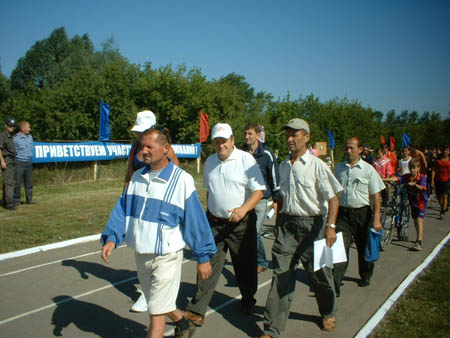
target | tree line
[{"x": 59, "y": 83}]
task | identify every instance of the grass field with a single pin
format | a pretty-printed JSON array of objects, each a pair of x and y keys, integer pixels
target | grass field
[
  {"x": 67, "y": 211},
  {"x": 424, "y": 310}
]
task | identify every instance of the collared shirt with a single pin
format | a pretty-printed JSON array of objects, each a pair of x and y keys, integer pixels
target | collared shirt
[
  {"x": 7, "y": 144},
  {"x": 306, "y": 186},
  {"x": 24, "y": 147},
  {"x": 231, "y": 182},
  {"x": 359, "y": 182},
  {"x": 159, "y": 213}
]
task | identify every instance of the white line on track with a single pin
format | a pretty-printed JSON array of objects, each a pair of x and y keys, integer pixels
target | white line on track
[
  {"x": 54, "y": 262},
  {"x": 65, "y": 301},
  {"x": 74, "y": 297},
  {"x": 379, "y": 315},
  {"x": 228, "y": 302},
  {"x": 48, "y": 247}
]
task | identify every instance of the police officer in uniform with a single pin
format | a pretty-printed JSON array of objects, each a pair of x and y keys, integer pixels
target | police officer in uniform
[{"x": 8, "y": 163}]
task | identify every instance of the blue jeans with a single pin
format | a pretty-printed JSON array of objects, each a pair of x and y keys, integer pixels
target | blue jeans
[{"x": 261, "y": 212}]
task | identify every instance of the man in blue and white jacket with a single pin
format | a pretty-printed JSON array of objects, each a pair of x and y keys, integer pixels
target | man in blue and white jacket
[{"x": 157, "y": 215}]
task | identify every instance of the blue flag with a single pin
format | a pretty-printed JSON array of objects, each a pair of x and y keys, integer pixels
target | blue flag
[
  {"x": 331, "y": 139},
  {"x": 406, "y": 140},
  {"x": 105, "y": 131}
]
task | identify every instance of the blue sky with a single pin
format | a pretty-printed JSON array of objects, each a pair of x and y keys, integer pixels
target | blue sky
[{"x": 386, "y": 54}]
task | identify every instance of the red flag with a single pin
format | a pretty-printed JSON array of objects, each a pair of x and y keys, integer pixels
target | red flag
[
  {"x": 391, "y": 143},
  {"x": 382, "y": 140},
  {"x": 204, "y": 127}
]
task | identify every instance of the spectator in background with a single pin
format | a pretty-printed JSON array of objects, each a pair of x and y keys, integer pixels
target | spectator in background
[
  {"x": 403, "y": 163},
  {"x": 23, "y": 142},
  {"x": 441, "y": 180},
  {"x": 418, "y": 199},
  {"x": 8, "y": 163},
  {"x": 269, "y": 169},
  {"x": 366, "y": 155},
  {"x": 382, "y": 165},
  {"x": 431, "y": 161},
  {"x": 419, "y": 156},
  {"x": 392, "y": 156}
]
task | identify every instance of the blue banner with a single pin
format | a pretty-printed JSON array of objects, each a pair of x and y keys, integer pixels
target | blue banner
[
  {"x": 406, "y": 140},
  {"x": 46, "y": 152},
  {"x": 105, "y": 131},
  {"x": 331, "y": 139}
]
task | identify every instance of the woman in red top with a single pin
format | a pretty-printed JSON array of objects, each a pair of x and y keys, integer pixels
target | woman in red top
[{"x": 441, "y": 180}]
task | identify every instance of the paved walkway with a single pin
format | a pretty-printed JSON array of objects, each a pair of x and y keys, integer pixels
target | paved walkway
[{"x": 70, "y": 292}]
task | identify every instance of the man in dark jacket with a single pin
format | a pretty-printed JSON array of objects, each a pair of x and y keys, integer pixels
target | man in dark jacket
[
  {"x": 8, "y": 163},
  {"x": 269, "y": 168}
]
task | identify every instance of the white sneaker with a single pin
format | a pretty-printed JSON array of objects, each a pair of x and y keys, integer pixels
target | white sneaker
[{"x": 140, "y": 305}]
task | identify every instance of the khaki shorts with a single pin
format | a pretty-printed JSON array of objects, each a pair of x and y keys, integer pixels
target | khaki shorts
[{"x": 160, "y": 278}]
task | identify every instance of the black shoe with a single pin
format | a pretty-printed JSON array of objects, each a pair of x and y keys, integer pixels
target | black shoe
[
  {"x": 363, "y": 283},
  {"x": 188, "y": 333},
  {"x": 31, "y": 202}
]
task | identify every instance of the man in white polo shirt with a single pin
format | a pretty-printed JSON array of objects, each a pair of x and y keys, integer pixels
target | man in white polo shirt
[
  {"x": 235, "y": 186},
  {"x": 307, "y": 211}
]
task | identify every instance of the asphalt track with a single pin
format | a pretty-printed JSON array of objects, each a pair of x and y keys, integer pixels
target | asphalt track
[{"x": 70, "y": 292}]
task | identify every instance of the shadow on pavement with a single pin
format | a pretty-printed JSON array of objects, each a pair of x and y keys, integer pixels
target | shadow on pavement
[
  {"x": 106, "y": 273},
  {"x": 89, "y": 317}
]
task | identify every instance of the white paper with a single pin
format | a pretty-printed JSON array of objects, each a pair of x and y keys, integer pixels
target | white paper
[
  {"x": 325, "y": 256},
  {"x": 270, "y": 213}
]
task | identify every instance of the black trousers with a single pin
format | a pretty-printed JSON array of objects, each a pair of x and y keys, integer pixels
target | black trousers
[
  {"x": 240, "y": 239},
  {"x": 354, "y": 224},
  {"x": 24, "y": 172},
  {"x": 8, "y": 182}
]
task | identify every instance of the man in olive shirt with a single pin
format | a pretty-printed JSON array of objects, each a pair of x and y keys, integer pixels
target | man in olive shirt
[{"x": 8, "y": 163}]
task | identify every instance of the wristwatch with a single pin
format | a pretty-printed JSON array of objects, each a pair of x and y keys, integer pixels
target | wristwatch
[{"x": 331, "y": 225}]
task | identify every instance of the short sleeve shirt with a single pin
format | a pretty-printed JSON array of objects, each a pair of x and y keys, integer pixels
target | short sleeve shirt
[
  {"x": 359, "y": 182},
  {"x": 7, "y": 144},
  {"x": 306, "y": 186},
  {"x": 24, "y": 146},
  {"x": 231, "y": 182}
]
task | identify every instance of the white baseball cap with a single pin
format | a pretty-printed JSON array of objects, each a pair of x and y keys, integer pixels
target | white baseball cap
[
  {"x": 221, "y": 130},
  {"x": 145, "y": 120}
]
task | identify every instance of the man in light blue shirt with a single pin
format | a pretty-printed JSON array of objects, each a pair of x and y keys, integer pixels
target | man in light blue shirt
[
  {"x": 361, "y": 184},
  {"x": 23, "y": 142}
]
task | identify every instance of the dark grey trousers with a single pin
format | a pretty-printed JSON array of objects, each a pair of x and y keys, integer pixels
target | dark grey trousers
[
  {"x": 295, "y": 236},
  {"x": 8, "y": 183},
  {"x": 24, "y": 172}
]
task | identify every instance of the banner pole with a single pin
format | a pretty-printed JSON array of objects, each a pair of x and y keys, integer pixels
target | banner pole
[{"x": 332, "y": 158}]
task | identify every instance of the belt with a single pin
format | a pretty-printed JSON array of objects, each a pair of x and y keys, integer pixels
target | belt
[
  {"x": 353, "y": 209},
  {"x": 216, "y": 219},
  {"x": 300, "y": 217}
]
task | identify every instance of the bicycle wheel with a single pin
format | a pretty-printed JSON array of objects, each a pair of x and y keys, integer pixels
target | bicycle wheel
[
  {"x": 403, "y": 226},
  {"x": 388, "y": 222}
]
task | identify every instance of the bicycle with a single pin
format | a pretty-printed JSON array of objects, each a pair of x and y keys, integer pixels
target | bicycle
[{"x": 395, "y": 215}]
